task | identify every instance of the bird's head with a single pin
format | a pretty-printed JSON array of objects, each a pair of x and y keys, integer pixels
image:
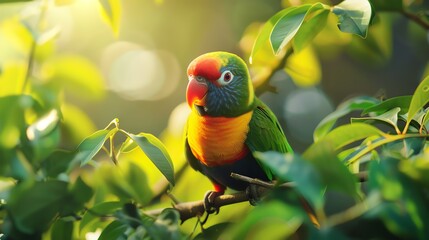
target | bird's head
[{"x": 219, "y": 85}]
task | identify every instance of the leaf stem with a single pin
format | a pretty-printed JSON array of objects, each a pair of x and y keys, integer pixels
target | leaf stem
[
  {"x": 407, "y": 125},
  {"x": 30, "y": 64},
  {"x": 388, "y": 139},
  {"x": 115, "y": 122},
  {"x": 112, "y": 150}
]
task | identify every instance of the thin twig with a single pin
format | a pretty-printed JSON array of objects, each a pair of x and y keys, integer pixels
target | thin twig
[
  {"x": 415, "y": 18},
  {"x": 361, "y": 177},
  {"x": 252, "y": 180},
  {"x": 189, "y": 210},
  {"x": 30, "y": 64}
]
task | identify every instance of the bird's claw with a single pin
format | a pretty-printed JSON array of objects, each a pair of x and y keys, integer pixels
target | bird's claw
[
  {"x": 253, "y": 194},
  {"x": 209, "y": 198}
]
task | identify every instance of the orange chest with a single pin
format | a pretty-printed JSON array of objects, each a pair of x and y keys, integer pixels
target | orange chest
[{"x": 218, "y": 140}]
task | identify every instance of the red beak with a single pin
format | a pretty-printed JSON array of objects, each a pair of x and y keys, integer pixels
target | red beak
[{"x": 196, "y": 92}]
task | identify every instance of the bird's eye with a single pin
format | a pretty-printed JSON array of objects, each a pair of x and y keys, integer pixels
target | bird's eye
[
  {"x": 225, "y": 78},
  {"x": 199, "y": 79}
]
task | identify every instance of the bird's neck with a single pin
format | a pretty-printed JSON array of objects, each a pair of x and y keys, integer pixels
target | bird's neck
[{"x": 218, "y": 140}]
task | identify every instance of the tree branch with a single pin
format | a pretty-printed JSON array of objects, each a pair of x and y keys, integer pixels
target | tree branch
[
  {"x": 189, "y": 210},
  {"x": 415, "y": 18}
]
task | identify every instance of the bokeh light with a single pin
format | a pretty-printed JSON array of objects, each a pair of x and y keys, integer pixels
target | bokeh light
[
  {"x": 304, "y": 108},
  {"x": 178, "y": 119},
  {"x": 139, "y": 74}
]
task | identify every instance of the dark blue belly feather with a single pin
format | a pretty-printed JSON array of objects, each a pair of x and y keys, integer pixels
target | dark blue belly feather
[{"x": 246, "y": 166}]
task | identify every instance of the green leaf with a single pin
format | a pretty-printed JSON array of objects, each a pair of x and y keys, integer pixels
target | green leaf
[
  {"x": 77, "y": 75},
  {"x": 266, "y": 30},
  {"x": 62, "y": 230},
  {"x": 419, "y": 100},
  {"x": 44, "y": 135},
  {"x": 377, "y": 48},
  {"x": 311, "y": 27},
  {"x": 291, "y": 167},
  {"x": 333, "y": 172},
  {"x": 112, "y": 11},
  {"x": 14, "y": 109},
  {"x": 129, "y": 215},
  {"x": 76, "y": 124},
  {"x": 112, "y": 178},
  {"x": 121, "y": 180},
  {"x": 128, "y": 146},
  {"x": 115, "y": 230},
  {"x": 156, "y": 152},
  {"x": 347, "y": 134},
  {"x": 34, "y": 206},
  {"x": 141, "y": 192},
  {"x": 81, "y": 193},
  {"x": 424, "y": 120},
  {"x": 353, "y": 16},
  {"x": 373, "y": 144},
  {"x": 213, "y": 232},
  {"x": 58, "y": 162},
  {"x": 136, "y": 234},
  {"x": 98, "y": 211},
  {"x": 13, "y": 123},
  {"x": 271, "y": 220},
  {"x": 287, "y": 26},
  {"x": 387, "y": 5},
  {"x": 21, "y": 169},
  {"x": 304, "y": 68},
  {"x": 418, "y": 169},
  {"x": 404, "y": 148},
  {"x": 324, "y": 154},
  {"x": 405, "y": 211},
  {"x": 326, "y": 233},
  {"x": 92, "y": 144},
  {"x": 401, "y": 102},
  {"x": 166, "y": 225},
  {"x": 357, "y": 103},
  {"x": 390, "y": 117}
]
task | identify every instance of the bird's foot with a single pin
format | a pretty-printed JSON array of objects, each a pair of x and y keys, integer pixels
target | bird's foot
[
  {"x": 253, "y": 194},
  {"x": 209, "y": 204}
]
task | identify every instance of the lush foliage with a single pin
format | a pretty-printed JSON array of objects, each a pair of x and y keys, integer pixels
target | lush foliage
[{"x": 51, "y": 190}]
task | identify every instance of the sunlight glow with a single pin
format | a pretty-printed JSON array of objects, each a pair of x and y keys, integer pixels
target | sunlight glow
[
  {"x": 178, "y": 118},
  {"x": 139, "y": 74},
  {"x": 43, "y": 125},
  {"x": 93, "y": 235}
]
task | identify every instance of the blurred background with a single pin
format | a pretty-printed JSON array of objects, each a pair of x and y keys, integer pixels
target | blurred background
[
  {"x": 140, "y": 65},
  {"x": 127, "y": 60}
]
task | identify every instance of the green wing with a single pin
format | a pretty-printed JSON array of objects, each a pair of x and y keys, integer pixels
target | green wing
[{"x": 265, "y": 133}]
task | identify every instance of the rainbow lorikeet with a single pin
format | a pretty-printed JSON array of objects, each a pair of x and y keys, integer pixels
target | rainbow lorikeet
[{"x": 228, "y": 123}]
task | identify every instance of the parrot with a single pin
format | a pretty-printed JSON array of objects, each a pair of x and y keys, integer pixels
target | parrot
[{"x": 227, "y": 124}]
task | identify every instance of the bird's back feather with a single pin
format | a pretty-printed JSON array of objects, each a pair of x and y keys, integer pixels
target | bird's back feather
[{"x": 265, "y": 133}]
